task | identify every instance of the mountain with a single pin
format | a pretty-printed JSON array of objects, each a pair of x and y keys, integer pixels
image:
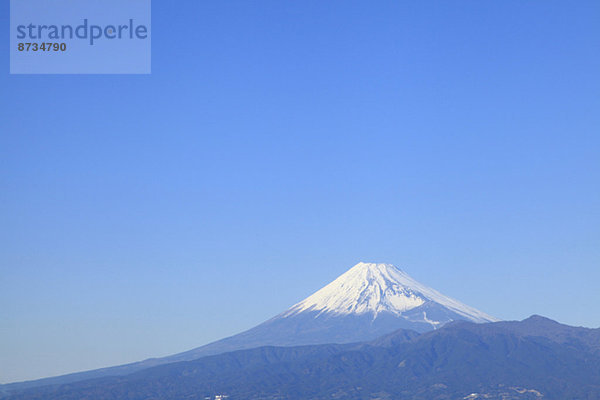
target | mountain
[
  {"x": 377, "y": 289},
  {"x": 367, "y": 301},
  {"x": 532, "y": 359}
]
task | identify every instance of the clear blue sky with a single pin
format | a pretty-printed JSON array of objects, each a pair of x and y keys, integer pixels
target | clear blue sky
[{"x": 278, "y": 143}]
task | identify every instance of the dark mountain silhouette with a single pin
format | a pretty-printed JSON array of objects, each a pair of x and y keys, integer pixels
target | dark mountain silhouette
[{"x": 532, "y": 359}]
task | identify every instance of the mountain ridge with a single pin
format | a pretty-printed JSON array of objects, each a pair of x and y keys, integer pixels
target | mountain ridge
[{"x": 508, "y": 360}]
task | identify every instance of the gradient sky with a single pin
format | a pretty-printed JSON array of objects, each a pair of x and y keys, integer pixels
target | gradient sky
[{"x": 278, "y": 143}]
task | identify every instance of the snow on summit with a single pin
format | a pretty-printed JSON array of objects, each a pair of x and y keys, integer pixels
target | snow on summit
[{"x": 376, "y": 288}]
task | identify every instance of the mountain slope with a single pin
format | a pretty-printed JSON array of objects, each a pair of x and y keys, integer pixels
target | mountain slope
[
  {"x": 532, "y": 359},
  {"x": 367, "y": 301}
]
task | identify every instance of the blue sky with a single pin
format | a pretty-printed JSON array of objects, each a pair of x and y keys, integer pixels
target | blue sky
[{"x": 278, "y": 143}]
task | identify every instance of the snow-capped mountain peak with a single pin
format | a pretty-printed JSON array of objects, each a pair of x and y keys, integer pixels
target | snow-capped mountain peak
[
  {"x": 376, "y": 288},
  {"x": 364, "y": 303}
]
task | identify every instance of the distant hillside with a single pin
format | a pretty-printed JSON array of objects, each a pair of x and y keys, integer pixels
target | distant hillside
[{"x": 533, "y": 359}]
